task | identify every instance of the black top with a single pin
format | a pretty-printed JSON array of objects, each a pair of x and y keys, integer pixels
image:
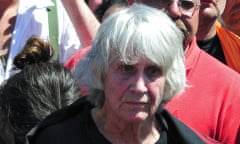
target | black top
[
  {"x": 2, "y": 141},
  {"x": 74, "y": 125},
  {"x": 213, "y": 47}
]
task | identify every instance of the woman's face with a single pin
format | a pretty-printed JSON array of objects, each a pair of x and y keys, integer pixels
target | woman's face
[{"x": 133, "y": 91}]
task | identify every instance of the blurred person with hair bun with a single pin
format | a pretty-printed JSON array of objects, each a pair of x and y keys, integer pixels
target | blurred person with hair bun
[{"x": 40, "y": 88}]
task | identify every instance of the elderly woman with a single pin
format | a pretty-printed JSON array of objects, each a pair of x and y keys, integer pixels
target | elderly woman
[{"x": 135, "y": 65}]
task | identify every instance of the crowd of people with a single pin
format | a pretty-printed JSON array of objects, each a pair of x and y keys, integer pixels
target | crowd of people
[{"x": 122, "y": 71}]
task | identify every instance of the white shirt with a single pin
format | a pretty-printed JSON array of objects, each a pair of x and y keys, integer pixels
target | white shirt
[{"x": 32, "y": 20}]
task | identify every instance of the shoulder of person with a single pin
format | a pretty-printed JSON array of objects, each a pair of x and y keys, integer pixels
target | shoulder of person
[
  {"x": 61, "y": 119},
  {"x": 79, "y": 106}
]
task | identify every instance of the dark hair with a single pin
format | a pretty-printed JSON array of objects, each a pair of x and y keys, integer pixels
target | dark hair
[
  {"x": 99, "y": 12},
  {"x": 36, "y": 50},
  {"x": 40, "y": 88}
]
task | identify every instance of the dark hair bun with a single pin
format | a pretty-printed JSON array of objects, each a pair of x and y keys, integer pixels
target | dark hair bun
[{"x": 36, "y": 50}]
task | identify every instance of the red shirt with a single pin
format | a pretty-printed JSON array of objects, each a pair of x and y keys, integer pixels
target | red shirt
[
  {"x": 72, "y": 62},
  {"x": 211, "y": 102}
]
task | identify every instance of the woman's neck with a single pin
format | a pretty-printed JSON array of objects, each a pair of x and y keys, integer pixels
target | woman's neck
[{"x": 117, "y": 131}]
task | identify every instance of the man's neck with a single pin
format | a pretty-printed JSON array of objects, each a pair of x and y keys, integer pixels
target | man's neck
[{"x": 206, "y": 30}]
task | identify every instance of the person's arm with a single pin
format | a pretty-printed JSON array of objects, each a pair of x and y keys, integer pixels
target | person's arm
[{"x": 83, "y": 20}]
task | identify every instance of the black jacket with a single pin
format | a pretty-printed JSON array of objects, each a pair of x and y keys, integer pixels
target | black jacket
[{"x": 74, "y": 125}]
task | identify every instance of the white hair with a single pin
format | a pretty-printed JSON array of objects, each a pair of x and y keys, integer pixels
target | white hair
[{"x": 137, "y": 30}]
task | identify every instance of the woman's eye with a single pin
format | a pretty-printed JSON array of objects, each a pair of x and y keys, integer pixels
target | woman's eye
[
  {"x": 127, "y": 68},
  {"x": 154, "y": 71}
]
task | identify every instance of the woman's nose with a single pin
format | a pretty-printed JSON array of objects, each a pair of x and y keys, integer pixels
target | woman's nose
[{"x": 139, "y": 84}]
